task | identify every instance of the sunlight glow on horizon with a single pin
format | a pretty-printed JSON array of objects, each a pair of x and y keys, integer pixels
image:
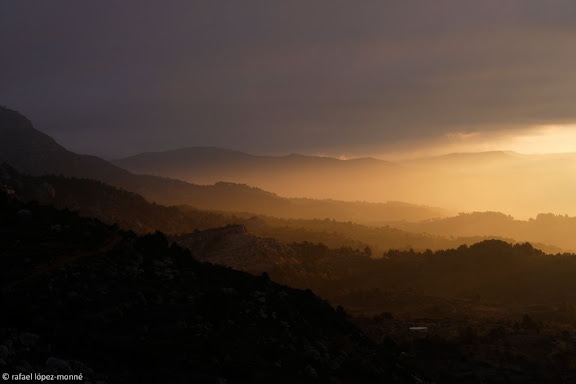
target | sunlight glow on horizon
[{"x": 544, "y": 139}]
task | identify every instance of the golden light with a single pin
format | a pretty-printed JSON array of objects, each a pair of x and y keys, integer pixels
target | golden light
[
  {"x": 531, "y": 140},
  {"x": 545, "y": 139}
]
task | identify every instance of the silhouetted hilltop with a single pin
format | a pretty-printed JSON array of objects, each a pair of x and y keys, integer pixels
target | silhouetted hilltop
[
  {"x": 34, "y": 152},
  {"x": 134, "y": 309},
  {"x": 546, "y": 228}
]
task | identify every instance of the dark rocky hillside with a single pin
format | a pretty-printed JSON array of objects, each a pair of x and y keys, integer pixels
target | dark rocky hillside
[
  {"x": 78, "y": 296},
  {"x": 107, "y": 203}
]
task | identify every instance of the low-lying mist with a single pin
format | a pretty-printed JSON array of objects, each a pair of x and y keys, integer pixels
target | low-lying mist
[{"x": 519, "y": 185}]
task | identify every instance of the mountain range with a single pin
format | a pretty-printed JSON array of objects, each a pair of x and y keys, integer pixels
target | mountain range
[
  {"x": 289, "y": 219},
  {"x": 517, "y": 184},
  {"x": 207, "y": 165},
  {"x": 35, "y": 153}
]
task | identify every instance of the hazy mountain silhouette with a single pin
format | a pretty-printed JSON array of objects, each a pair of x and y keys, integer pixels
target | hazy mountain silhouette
[
  {"x": 209, "y": 164},
  {"x": 545, "y": 228},
  {"x": 517, "y": 184},
  {"x": 33, "y": 152},
  {"x": 293, "y": 175},
  {"x": 131, "y": 211}
]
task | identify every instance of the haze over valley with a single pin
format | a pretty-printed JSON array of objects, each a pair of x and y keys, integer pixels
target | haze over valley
[
  {"x": 515, "y": 184},
  {"x": 288, "y": 192}
]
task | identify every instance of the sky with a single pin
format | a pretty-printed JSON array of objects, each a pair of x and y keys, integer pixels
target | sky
[{"x": 341, "y": 78}]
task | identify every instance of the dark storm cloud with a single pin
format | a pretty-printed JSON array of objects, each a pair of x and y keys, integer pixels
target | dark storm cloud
[{"x": 271, "y": 76}]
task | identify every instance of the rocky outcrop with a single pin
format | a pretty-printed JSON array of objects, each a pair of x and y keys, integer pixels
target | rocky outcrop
[{"x": 234, "y": 247}]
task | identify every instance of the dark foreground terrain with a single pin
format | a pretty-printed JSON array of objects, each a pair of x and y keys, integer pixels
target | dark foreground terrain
[
  {"x": 78, "y": 296},
  {"x": 494, "y": 312}
]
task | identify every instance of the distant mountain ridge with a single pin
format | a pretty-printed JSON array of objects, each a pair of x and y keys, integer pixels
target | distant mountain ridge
[
  {"x": 31, "y": 151},
  {"x": 292, "y": 175},
  {"x": 545, "y": 228},
  {"x": 460, "y": 182},
  {"x": 192, "y": 154}
]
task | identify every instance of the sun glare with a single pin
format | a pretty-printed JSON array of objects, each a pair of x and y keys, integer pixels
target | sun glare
[{"x": 545, "y": 139}]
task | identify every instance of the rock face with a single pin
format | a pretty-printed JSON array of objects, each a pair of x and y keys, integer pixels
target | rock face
[
  {"x": 234, "y": 247},
  {"x": 136, "y": 310}
]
